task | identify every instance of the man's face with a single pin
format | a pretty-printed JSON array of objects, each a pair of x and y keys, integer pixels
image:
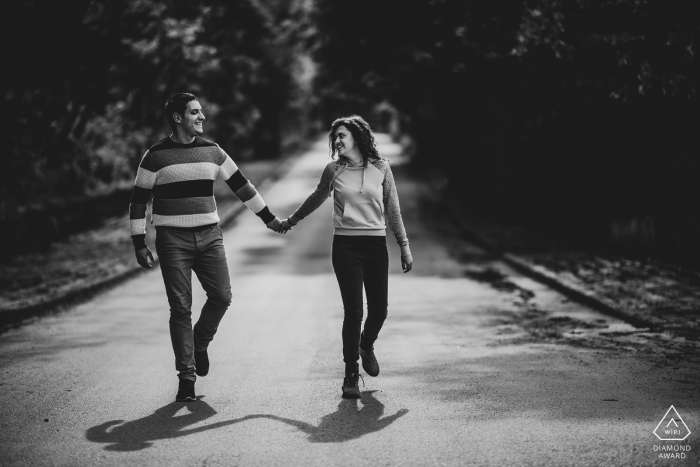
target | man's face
[{"x": 191, "y": 122}]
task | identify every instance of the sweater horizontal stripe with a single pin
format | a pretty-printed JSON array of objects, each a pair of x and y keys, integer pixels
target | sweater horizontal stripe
[
  {"x": 180, "y": 179},
  {"x": 184, "y": 207},
  {"x": 192, "y": 220},
  {"x": 167, "y": 152},
  {"x": 197, "y": 171},
  {"x": 185, "y": 189}
]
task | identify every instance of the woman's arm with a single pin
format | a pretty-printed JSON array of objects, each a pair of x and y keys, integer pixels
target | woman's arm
[
  {"x": 315, "y": 199},
  {"x": 393, "y": 217}
]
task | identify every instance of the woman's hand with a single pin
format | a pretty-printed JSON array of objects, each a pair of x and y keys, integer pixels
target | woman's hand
[{"x": 406, "y": 263}]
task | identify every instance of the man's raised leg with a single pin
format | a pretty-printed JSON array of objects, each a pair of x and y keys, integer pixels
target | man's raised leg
[{"x": 212, "y": 271}]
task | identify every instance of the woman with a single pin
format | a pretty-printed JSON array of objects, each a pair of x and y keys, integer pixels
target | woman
[{"x": 364, "y": 196}]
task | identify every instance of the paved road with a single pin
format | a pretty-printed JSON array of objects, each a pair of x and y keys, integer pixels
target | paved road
[{"x": 480, "y": 366}]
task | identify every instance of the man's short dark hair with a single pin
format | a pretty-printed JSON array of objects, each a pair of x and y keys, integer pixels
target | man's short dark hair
[{"x": 177, "y": 103}]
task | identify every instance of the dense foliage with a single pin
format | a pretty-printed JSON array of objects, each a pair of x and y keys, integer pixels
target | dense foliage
[
  {"x": 577, "y": 111},
  {"x": 86, "y": 76},
  {"x": 581, "y": 111},
  {"x": 84, "y": 84}
]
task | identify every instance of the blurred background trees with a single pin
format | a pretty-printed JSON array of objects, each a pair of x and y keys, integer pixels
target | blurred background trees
[
  {"x": 575, "y": 113},
  {"x": 84, "y": 84}
]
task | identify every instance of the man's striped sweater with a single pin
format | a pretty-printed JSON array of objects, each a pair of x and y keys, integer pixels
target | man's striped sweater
[{"x": 180, "y": 177}]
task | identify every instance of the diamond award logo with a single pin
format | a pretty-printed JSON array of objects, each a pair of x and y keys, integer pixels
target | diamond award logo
[{"x": 672, "y": 427}]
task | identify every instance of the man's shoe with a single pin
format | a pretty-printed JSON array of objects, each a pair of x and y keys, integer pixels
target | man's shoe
[
  {"x": 185, "y": 391},
  {"x": 201, "y": 363},
  {"x": 369, "y": 362},
  {"x": 351, "y": 387}
]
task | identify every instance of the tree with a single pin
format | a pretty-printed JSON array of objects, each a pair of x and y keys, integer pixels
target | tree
[
  {"x": 85, "y": 81},
  {"x": 558, "y": 109}
]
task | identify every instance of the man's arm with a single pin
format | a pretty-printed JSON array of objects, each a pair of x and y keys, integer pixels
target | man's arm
[
  {"x": 246, "y": 192},
  {"x": 141, "y": 195}
]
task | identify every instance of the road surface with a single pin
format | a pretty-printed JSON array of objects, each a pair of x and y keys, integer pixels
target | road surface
[{"x": 479, "y": 365}]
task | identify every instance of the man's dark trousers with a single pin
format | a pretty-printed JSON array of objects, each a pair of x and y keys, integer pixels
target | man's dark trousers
[{"x": 182, "y": 251}]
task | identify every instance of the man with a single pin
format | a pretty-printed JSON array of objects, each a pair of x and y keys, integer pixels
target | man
[{"x": 179, "y": 172}]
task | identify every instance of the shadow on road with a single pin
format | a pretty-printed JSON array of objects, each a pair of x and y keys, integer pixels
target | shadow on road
[
  {"x": 347, "y": 422},
  {"x": 164, "y": 423}
]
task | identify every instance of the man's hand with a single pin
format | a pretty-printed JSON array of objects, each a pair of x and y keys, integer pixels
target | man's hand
[
  {"x": 145, "y": 258},
  {"x": 275, "y": 225},
  {"x": 407, "y": 263}
]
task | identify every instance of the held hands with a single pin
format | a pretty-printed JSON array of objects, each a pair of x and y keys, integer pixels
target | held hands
[
  {"x": 406, "y": 263},
  {"x": 279, "y": 226},
  {"x": 286, "y": 225},
  {"x": 274, "y": 224},
  {"x": 145, "y": 258}
]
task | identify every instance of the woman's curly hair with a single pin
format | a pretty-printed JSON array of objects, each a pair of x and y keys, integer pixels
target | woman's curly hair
[{"x": 361, "y": 133}]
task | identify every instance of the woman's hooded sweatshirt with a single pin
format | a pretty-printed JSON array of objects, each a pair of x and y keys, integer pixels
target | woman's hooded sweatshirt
[{"x": 364, "y": 200}]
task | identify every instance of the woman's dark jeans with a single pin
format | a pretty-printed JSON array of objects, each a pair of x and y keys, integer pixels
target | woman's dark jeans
[{"x": 361, "y": 260}]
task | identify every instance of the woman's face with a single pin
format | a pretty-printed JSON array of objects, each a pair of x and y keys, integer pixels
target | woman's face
[{"x": 343, "y": 140}]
